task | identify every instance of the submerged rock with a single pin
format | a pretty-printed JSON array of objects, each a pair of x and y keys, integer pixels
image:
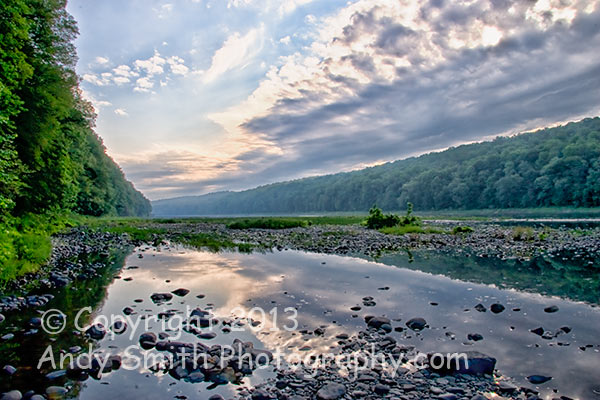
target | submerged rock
[
  {"x": 497, "y": 308},
  {"x": 551, "y": 309},
  {"x": 538, "y": 379},
  {"x": 161, "y": 297},
  {"x": 475, "y": 363},
  {"x": 180, "y": 292},
  {"x": 416, "y": 324}
]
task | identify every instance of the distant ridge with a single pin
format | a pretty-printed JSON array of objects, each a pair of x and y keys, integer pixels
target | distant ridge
[{"x": 557, "y": 166}]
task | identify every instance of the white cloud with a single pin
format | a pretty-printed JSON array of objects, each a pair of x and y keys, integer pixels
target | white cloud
[
  {"x": 285, "y": 40},
  {"x": 152, "y": 65},
  {"x": 164, "y": 10},
  {"x": 177, "y": 65},
  {"x": 143, "y": 85},
  {"x": 235, "y": 52},
  {"x": 94, "y": 80},
  {"x": 120, "y": 112},
  {"x": 102, "y": 60}
]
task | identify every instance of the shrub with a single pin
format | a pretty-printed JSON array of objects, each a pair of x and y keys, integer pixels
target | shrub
[{"x": 377, "y": 220}]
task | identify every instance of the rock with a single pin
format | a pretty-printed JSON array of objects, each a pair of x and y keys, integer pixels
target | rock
[
  {"x": 56, "y": 374},
  {"x": 2, "y": 318},
  {"x": 566, "y": 329},
  {"x": 161, "y": 297},
  {"x": 8, "y": 336},
  {"x": 147, "y": 340},
  {"x": 506, "y": 387},
  {"x": 480, "y": 307},
  {"x": 12, "y": 395},
  {"x": 96, "y": 331},
  {"x": 416, "y": 324},
  {"x": 35, "y": 322},
  {"x": 128, "y": 311},
  {"x": 179, "y": 372},
  {"x": 381, "y": 389},
  {"x": 331, "y": 391},
  {"x": 497, "y": 308},
  {"x": 9, "y": 370},
  {"x": 551, "y": 309},
  {"x": 207, "y": 335},
  {"x": 195, "y": 377},
  {"x": 538, "y": 331},
  {"x": 56, "y": 392},
  {"x": 376, "y": 322},
  {"x": 216, "y": 397},
  {"x": 447, "y": 396},
  {"x": 260, "y": 394},
  {"x": 475, "y": 363},
  {"x": 114, "y": 361},
  {"x": 181, "y": 292},
  {"x": 200, "y": 296},
  {"x": 475, "y": 337},
  {"x": 119, "y": 327},
  {"x": 538, "y": 379}
]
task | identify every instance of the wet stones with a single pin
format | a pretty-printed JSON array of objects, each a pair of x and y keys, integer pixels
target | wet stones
[
  {"x": 416, "y": 324},
  {"x": 147, "y": 340},
  {"x": 497, "y": 308},
  {"x": 538, "y": 379},
  {"x": 56, "y": 392},
  {"x": 551, "y": 309},
  {"x": 475, "y": 363},
  {"x": 12, "y": 395},
  {"x": 181, "y": 292},
  {"x": 8, "y": 370},
  {"x": 159, "y": 298},
  {"x": 480, "y": 307},
  {"x": 96, "y": 331},
  {"x": 331, "y": 391},
  {"x": 377, "y": 322},
  {"x": 475, "y": 337}
]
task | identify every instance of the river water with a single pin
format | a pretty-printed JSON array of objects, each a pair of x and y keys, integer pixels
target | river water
[{"x": 317, "y": 290}]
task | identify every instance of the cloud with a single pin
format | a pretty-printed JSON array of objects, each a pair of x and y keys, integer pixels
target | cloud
[
  {"x": 120, "y": 112},
  {"x": 102, "y": 60},
  {"x": 177, "y": 65},
  {"x": 389, "y": 80},
  {"x": 236, "y": 51},
  {"x": 285, "y": 40},
  {"x": 143, "y": 85},
  {"x": 152, "y": 65}
]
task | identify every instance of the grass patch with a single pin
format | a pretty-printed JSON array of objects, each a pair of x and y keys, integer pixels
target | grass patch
[
  {"x": 462, "y": 229},
  {"x": 523, "y": 233},
  {"x": 268, "y": 223}
]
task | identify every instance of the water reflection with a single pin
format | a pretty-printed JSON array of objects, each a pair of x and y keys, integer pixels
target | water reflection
[{"x": 323, "y": 289}]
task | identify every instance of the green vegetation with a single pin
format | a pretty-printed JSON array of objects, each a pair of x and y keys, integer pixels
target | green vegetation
[
  {"x": 552, "y": 167},
  {"x": 268, "y": 223},
  {"x": 51, "y": 161},
  {"x": 394, "y": 224},
  {"x": 523, "y": 233},
  {"x": 462, "y": 229},
  {"x": 25, "y": 243}
]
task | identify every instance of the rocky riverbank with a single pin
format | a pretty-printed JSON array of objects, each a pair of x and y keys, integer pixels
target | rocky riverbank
[{"x": 486, "y": 240}]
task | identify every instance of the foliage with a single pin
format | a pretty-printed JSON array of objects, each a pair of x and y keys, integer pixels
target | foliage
[
  {"x": 462, "y": 229},
  {"x": 267, "y": 223},
  {"x": 50, "y": 158},
  {"x": 377, "y": 219},
  {"x": 552, "y": 167},
  {"x": 25, "y": 243}
]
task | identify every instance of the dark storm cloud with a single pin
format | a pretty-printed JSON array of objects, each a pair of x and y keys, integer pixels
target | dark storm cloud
[{"x": 525, "y": 81}]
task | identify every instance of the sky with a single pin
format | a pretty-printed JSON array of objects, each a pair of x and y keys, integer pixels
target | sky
[{"x": 197, "y": 96}]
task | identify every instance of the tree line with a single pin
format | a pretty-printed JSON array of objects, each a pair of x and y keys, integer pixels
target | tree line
[
  {"x": 51, "y": 160},
  {"x": 557, "y": 166}
]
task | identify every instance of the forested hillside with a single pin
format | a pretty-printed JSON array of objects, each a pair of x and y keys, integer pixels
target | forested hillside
[
  {"x": 50, "y": 158},
  {"x": 551, "y": 167}
]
